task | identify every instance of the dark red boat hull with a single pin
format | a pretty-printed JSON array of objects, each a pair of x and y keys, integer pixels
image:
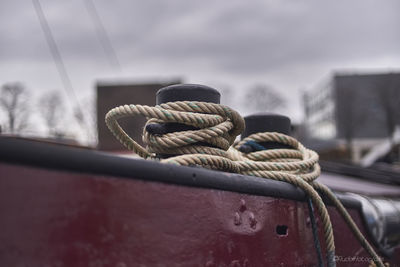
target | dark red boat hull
[{"x": 63, "y": 218}]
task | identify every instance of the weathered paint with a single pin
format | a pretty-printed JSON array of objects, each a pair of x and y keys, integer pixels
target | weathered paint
[{"x": 58, "y": 218}]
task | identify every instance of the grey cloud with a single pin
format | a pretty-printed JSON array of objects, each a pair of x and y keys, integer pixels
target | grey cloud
[
  {"x": 236, "y": 36},
  {"x": 254, "y": 38},
  {"x": 207, "y": 39}
]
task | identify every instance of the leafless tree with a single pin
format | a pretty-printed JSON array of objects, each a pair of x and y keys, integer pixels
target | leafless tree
[
  {"x": 14, "y": 101},
  {"x": 87, "y": 119},
  {"x": 52, "y": 109},
  {"x": 227, "y": 96},
  {"x": 263, "y": 98}
]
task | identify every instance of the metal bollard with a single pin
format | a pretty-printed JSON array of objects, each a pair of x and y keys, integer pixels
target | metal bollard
[
  {"x": 181, "y": 92},
  {"x": 265, "y": 122}
]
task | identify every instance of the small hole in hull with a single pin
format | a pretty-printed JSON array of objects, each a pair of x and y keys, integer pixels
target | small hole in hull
[{"x": 282, "y": 230}]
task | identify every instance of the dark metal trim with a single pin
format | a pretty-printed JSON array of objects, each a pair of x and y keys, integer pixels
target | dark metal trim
[
  {"x": 50, "y": 156},
  {"x": 371, "y": 173}
]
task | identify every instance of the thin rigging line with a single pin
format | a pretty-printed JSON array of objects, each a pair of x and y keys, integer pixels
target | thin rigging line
[
  {"x": 102, "y": 34},
  {"x": 57, "y": 58}
]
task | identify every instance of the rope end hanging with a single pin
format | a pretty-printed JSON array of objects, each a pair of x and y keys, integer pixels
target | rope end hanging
[
  {"x": 186, "y": 129},
  {"x": 287, "y": 160}
]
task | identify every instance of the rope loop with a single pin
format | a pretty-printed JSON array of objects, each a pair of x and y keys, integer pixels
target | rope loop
[
  {"x": 208, "y": 144},
  {"x": 215, "y": 129},
  {"x": 298, "y": 166}
]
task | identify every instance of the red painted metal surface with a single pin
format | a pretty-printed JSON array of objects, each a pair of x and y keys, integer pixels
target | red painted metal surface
[{"x": 56, "y": 218}]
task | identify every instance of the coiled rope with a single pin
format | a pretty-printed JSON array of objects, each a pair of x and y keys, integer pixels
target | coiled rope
[
  {"x": 298, "y": 166},
  {"x": 218, "y": 126}
]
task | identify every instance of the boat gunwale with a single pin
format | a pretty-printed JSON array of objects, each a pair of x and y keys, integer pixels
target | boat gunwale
[{"x": 74, "y": 159}]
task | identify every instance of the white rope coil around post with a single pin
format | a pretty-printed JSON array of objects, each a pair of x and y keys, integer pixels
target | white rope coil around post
[
  {"x": 217, "y": 125},
  {"x": 207, "y": 141},
  {"x": 298, "y": 166}
]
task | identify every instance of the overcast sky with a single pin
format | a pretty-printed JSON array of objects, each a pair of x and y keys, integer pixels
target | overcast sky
[{"x": 289, "y": 45}]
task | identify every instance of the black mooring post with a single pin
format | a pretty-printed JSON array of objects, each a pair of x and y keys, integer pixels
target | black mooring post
[
  {"x": 266, "y": 122},
  {"x": 187, "y": 92},
  {"x": 181, "y": 92}
]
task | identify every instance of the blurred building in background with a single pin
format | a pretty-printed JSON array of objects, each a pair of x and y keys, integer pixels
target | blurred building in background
[
  {"x": 361, "y": 110},
  {"x": 111, "y": 95}
]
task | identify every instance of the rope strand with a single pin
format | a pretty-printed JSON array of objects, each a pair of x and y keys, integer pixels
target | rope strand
[
  {"x": 298, "y": 166},
  {"x": 217, "y": 126}
]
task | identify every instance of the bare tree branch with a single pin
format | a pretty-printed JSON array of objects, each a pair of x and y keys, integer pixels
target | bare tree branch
[
  {"x": 52, "y": 109},
  {"x": 87, "y": 121},
  {"x": 263, "y": 98},
  {"x": 228, "y": 96},
  {"x": 14, "y": 101}
]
